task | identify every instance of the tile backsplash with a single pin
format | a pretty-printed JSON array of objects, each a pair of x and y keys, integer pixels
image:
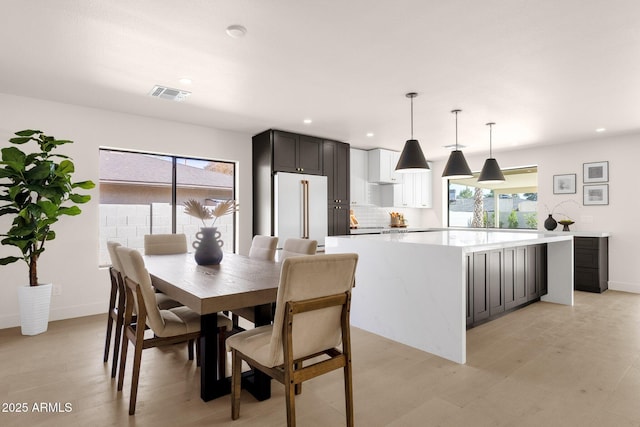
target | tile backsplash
[{"x": 375, "y": 216}]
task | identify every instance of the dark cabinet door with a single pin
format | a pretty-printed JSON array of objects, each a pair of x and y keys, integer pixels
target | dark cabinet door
[
  {"x": 285, "y": 152},
  {"x": 480, "y": 286},
  {"x": 338, "y": 220},
  {"x": 310, "y": 155},
  {"x": 514, "y": 277},
  {"x": 469, "y": 301},
  {"x": 496, "y": 283},
  {"x": 336, "y": 169},
  {"x": 297, "y": 153},
  {"x": 541, "y": 258},
  {"x": 532, "y": 273}
]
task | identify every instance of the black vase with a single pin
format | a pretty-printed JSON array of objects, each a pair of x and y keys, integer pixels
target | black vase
[
  {"x": 208, "y": 246},
  {"x": 550, "y": 223}
]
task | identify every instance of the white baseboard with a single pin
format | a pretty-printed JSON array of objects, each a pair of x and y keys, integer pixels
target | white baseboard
[
  {"x": 13, "y": 320},
  {"x": 625, "y": 287}
]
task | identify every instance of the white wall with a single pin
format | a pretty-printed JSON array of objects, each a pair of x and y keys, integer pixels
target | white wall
[
  {"x": 72, "y": 259},
  {"x": 620, "y": 217}
]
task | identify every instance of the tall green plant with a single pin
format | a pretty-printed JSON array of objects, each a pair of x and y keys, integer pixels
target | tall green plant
[{"x": 37, "y": 190}]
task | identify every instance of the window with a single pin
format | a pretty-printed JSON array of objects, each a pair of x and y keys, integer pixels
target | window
[
  {"x": 144, "y": 193},
  {"x": 509, "y": 204}
]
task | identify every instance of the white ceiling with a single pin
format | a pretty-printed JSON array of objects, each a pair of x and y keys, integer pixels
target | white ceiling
[{"x": 546, "y": 71}]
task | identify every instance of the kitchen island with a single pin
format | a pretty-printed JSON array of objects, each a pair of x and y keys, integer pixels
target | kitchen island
[{"x": 413, "y": 287}]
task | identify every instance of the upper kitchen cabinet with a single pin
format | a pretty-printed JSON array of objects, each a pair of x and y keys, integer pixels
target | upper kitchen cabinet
[
  {"x": 414, "y": 190},
  {"x": 382, "y": 166},
  {"x": 359, "y": 165},
  {"x": 296, "y": 153}
]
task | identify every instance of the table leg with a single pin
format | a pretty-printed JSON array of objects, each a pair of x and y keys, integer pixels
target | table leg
[
  {"x": 256, "y": 382},
  {"x": 211, "y": 386}
]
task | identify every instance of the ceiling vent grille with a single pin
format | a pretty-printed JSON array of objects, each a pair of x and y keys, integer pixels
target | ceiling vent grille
[{"x": 169, "y": 93}]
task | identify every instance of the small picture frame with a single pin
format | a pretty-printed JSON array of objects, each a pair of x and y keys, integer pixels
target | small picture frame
[
  {"x": 564, "y": 184},
  {"x": 596, "y": 194},
  {"x": 595, "y": 172}
]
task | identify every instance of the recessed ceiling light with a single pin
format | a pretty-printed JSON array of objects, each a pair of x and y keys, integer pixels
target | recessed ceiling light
[
  {"x": 307, "y": 121},
  {"x": 370, "y": 134},
  {"x": 185, "y": 81},
  {"x": 600, "y": 130},
  {"x": 236, "y": 31}
]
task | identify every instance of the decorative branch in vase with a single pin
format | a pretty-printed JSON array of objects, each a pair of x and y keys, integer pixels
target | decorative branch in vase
[
  {"x": 208, "y": 245},
  {"x": 550, "y": 223}
]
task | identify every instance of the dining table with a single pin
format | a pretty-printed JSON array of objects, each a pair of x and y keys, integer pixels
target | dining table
[{"x": 239, "y": 284}]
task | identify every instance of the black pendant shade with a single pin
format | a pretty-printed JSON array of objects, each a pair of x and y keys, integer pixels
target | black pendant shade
[
  {"x": 457, "y": 166},
  {"x": 412, "y": 158},
  {"x": 491, "y": 172}
]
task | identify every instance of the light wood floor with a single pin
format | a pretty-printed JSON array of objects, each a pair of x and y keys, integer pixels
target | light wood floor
[{"x": 545, "y": 365}]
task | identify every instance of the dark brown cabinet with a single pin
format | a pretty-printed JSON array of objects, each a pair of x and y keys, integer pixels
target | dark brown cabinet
[
  {"x": 338, "y": 217},
  {"x": 296, "y": 153},
  {"x": 336, "y": 168},
  {"x": 502, "y": 280},
  {"x": 278, "y": 151},
  {"x": 514, "y": 277},
  {"x": 591, "y": 264}
]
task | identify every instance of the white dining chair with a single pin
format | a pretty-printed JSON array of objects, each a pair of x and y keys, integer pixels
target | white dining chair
[
  {"x": 115, "y": 312},
  {"x": 165, "y": 244},
  {"x": 297, "y": 247},
  {"x": 180, "y": 324},
  {"x": 263, "y": 247},
  {"x": 311, "y": 322}
]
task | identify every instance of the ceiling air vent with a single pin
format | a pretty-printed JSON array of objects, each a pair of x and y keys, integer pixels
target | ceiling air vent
[{"x": 169, "y": 93}]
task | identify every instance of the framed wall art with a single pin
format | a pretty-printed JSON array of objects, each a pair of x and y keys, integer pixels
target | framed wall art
[
  {"x": 595, "y": 172},
  {"x": 564, "y": 184},
  {"x": 596, "y": 194}
]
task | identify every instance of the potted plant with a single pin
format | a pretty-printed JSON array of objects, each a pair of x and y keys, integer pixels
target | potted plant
[
  {"x": 208, "y": 245},
  {"x": 36, "y": 189}
]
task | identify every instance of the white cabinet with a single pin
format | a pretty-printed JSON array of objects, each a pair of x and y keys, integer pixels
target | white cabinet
[
  {"x": 382, "y": 166},
  {"x": 359, "y": 165},
  {"x": 423, "y": 189},
  {"x": 415, "y": 191}
]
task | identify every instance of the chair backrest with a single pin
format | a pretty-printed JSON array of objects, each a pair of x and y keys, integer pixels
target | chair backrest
[
  {"x": 263, "y": 247},
  {"x": 115, "y": 261},
  {"x": 297, "y": 247},
  {"x": 307, "y": 277},
  {"x": 135, "y": 271},
  {"x": 165, "y": 244}
]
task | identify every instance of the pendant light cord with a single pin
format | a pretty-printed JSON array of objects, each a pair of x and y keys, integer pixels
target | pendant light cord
[
  {"x": 412, "y": 118},
  {"x": 456, "y": 113},
  {"x": 490, "y": 139}
]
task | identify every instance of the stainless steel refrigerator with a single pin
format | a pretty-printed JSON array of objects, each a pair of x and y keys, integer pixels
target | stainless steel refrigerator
[{"x": 300, "y": 207}]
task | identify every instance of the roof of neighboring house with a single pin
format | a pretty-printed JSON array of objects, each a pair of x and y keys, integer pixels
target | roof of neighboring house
[{"x": 123, "y": 167}]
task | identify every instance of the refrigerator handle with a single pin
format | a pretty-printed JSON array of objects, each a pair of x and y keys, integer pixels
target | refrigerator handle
[{"x": 305, "y": 209}]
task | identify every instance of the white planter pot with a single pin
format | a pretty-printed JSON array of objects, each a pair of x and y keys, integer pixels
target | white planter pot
[{"x": 35, "y": 302}]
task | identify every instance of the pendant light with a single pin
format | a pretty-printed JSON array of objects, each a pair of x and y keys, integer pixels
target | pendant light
[
  {"x": 457, "y": 166},
  {"x": 412, "y": 159},
  {"x": 491, "y": 172}
]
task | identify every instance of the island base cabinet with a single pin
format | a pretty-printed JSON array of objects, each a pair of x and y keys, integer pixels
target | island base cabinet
[{"x": 502, "y": 280}]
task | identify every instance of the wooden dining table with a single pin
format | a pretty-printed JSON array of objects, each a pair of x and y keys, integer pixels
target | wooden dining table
[{"x": 240, "y": 284}]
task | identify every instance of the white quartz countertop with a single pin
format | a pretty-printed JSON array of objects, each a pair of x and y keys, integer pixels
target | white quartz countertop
[
  {"x": 468, "y": 240},
  {"x": 376, "y": 230}
]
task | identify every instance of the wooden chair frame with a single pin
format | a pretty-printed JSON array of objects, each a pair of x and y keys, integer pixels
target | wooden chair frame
[
  {"x": 135, "y": 334},
  {"x": 116, "y": 313},
  {"x": 292, "y": 373}
]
